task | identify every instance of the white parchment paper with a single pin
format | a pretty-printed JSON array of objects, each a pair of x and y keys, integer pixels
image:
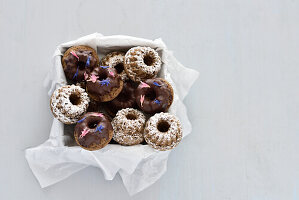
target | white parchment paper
[{"x": 139, "y": 166}]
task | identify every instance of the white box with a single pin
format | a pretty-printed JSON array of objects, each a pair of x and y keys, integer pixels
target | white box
[{"x": 138, "y": 165}]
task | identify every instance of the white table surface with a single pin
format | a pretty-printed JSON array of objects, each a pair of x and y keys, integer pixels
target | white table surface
[{"x": 244, "y": 107}]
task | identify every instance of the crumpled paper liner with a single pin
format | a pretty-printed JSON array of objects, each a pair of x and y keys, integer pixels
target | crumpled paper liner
[{"x": 139, "y": 166}]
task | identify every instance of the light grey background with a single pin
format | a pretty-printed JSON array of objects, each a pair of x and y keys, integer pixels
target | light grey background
[{"x": 244, "y": 107}]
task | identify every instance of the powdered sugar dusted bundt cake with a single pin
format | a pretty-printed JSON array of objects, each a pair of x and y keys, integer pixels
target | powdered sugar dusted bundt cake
[
  {"x": 68, "y": 103},
  {"x": 128, "y": 126},
  {"x": 142, "y": 63},
  {"x": 163, "y": 131}
]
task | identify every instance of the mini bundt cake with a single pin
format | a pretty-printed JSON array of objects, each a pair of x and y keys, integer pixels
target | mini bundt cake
[
  {"x": 103, "y": 84},
  {"x": 142, "y": 63},
  {"x": 125, "y": 99},
  {"x": 128, "y": 126},
  {"x": 163, "y": 131},
  {"x": 154, "y": 95},
  {"x": 68, "y": 103},
  {"x": 93, "y": 131},
  {"x": 78, "y": 61}
]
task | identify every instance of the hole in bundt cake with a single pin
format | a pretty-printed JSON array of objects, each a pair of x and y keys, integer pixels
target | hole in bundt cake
[
  {"x": 131, "y": 116},
  {"x": 119, "y": 68},
  {"x": 150, "y": 94},
  {"x": 148, "y": 60},
  {"x": 102, "y": 76},
  {"x": 81, "y": 65},
  {"x": 163, "y": 126},
  {"x": 92, "y": 124},
  {"x": 75, "y": 98}
]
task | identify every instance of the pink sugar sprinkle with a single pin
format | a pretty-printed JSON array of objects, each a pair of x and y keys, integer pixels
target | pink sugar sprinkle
[
  {"x": 141, "y": 100},
  {"x": 111, "y": 73},
  {"x": 98, "y": 115},
  {"x": 144, "y": 85},
  {"x": 85, "y": 76},
  {"x": 74, "y": 54},
  {"x": 84, "y": 132},
  {"x": 93, "y": 78}
]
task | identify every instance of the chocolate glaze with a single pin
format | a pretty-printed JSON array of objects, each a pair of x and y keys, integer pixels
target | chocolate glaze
[
  {"x": 93, "y": 137},
  {"x": 161, "y": 93},
  {"x": 94, "y": 106},
  {"x": 96, "y": 90},
  {"x": 72, "y": 63},
  {"x": 125, "y": 99}
]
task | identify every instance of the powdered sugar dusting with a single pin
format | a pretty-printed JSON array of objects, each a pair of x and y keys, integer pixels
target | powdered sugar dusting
[
  {"x": 128, "y": 131},
  {"x": 163, "y": 140},
  {"x": 63, "y": 109},
  {"x": 136, "y": 69}
]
